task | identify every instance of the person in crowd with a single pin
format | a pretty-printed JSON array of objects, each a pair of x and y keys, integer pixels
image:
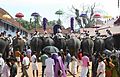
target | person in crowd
[
  {"x": 79, "y": 57},
  {"x": 6, "y": 69},
  {"x": 26, "y": 64},
  {"x": 62, "y": 66},
  {"x": 10, "y": 39},
  {"x": 67, "y": 60},
  {"x": 1, "y": 64},
  {"x": 59, "y": 34},
  {"x": 13, "y": 69},
  {"x": 49, "y": 70},
  {"x": 17, "y": 54},
  {"x": 85, "y": 65},
  {"x": 108, "y": 67},
  {"x": 43, "y": 58},
  {"x": 115, "y": 71},
  {"x": 34, "y": 64},
  {"x": 29, "y": 52},
  {"x": 101, "y": 67},
  {"x": 74, "y": 66}
]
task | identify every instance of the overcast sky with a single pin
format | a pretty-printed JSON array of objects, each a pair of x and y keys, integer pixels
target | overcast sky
[{"x": 47, "y": 8}]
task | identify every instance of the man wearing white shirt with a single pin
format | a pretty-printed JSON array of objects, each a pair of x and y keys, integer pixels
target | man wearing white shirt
[
  {"x": 49, "y": 70},
  {"x": 26, "y": 64},
  {"x": 34, "y": 64}
]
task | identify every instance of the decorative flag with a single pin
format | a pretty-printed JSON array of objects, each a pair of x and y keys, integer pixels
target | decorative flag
[
  {"x": 44, "y": 23},
  {"x": 72, "y": 23}
]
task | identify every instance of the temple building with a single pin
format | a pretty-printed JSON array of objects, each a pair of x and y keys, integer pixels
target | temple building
[{"x": 9, "y": 24}]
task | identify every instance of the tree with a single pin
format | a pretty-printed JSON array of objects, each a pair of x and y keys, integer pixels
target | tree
[{"x": 87, "y": 18}]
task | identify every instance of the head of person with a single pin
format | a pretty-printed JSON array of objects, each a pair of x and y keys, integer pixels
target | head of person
[
  {"x": 13, "y": 60},
  {"x": 0, "y": 55},
  {"x": 100, "y": 59}
]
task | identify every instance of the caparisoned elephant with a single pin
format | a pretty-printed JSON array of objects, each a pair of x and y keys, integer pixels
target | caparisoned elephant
[
  {"x": 18, "y": 43},
  {"x": 73, "y": 45}
]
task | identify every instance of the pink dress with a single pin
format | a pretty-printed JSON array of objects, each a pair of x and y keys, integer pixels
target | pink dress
[{"x": 6, "y": 71}]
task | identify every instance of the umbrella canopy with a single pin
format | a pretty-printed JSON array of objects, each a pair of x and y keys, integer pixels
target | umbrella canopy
[
  {"x": 50, "y": 49},
  {"x": 35, "y": 14},
  {"x": 97, "y": 16},
  {"x": 83, "y": 15},
  {"x": 19, "y": 15},
  {"x": 106, "y": 16},
  {"x": 6, "y": 16}
]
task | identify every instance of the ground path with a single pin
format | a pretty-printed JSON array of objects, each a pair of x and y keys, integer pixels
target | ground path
[{"x": 40, "y": 71}]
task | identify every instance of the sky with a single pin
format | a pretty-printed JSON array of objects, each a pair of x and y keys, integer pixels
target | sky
[{"x": 47, "y": 8}]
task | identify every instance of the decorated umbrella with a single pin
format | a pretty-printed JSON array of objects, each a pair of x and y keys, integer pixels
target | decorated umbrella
[
  {"x": 97, "y": 16},
  {"x": 44, "y": 23},
  {"x": 35, "y": 14},
  {"x": 19, "y": 15},
  {"x": 107, "y": 17},
  {"x": 50, "y": 49},
  {"x": 6, "y": 16},
  {"x": 72, "y": 23},
  {"x": 83, "y": 15}
]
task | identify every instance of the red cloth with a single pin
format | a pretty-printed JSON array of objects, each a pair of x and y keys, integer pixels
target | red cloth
[{"x": 80, "y": 55}]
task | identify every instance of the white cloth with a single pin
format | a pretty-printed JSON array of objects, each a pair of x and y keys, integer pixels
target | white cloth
[
  {"x": 49, "y": 70},
  {"x": 6, "y": 71},
  {"x": 1, "y": 64},
  {"x": 84, "y": 71},
  {"x": 101, "y": 68},
  {"x": 34, "y": 62},
  {"x": 18, "y": 59},
  {"x": 74, "y": 67},
  {"x": 26, "y": 61}
]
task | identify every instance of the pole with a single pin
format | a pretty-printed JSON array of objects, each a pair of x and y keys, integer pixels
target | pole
[{"x": 35, "y": 23}]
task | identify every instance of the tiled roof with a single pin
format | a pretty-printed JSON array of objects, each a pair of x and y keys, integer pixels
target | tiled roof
[{"x": 11, "y": 20}]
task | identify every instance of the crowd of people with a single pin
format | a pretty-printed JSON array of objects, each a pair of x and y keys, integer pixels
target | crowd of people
[{"x": 55, "y": 64}]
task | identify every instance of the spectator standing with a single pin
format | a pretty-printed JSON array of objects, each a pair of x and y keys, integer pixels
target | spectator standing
[
  {"x": 34, "y": 64},
  {"x": 67, "y": 60},
  {"x": 17, "y": 54},
  {"x": 1, "y": 64},
  {"x": 43, "y": 58},
  {"x": 108, "y": 67},
  {"x": 101, "y": 67},
  {"x": 13, "y": 69},
  {"x": 28, "y": 52},
  {"x": 26, "y": 64},
  {"x": 6, "y": 69},
  {"x": 49, "y": 70},
  {"x": 74, "y": 66},
  {"x": 85, "y": 65}
]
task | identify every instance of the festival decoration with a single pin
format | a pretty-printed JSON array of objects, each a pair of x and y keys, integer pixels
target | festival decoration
[
  {"x": 72, "y": 23},
  {"x": 44, "y": 23}
]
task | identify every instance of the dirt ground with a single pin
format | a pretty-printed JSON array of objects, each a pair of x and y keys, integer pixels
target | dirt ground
[{"x": 40, "y": 71}]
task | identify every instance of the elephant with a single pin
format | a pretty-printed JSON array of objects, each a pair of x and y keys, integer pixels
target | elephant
[
  {"x": 47, "y": 41},
  {"x": 4, "y": 47},
  {"x": 36, "y": 44},
  {"x": 87, "y": 45},
  {"x": 117, "y": 41},
  {"x": 99, "y": 45},
  {"x": 18, "y": 43},
  {"x": 73, "y": 44},
  {"x": 60, "y": 43},
  {"x": 109, "y": 43}
]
